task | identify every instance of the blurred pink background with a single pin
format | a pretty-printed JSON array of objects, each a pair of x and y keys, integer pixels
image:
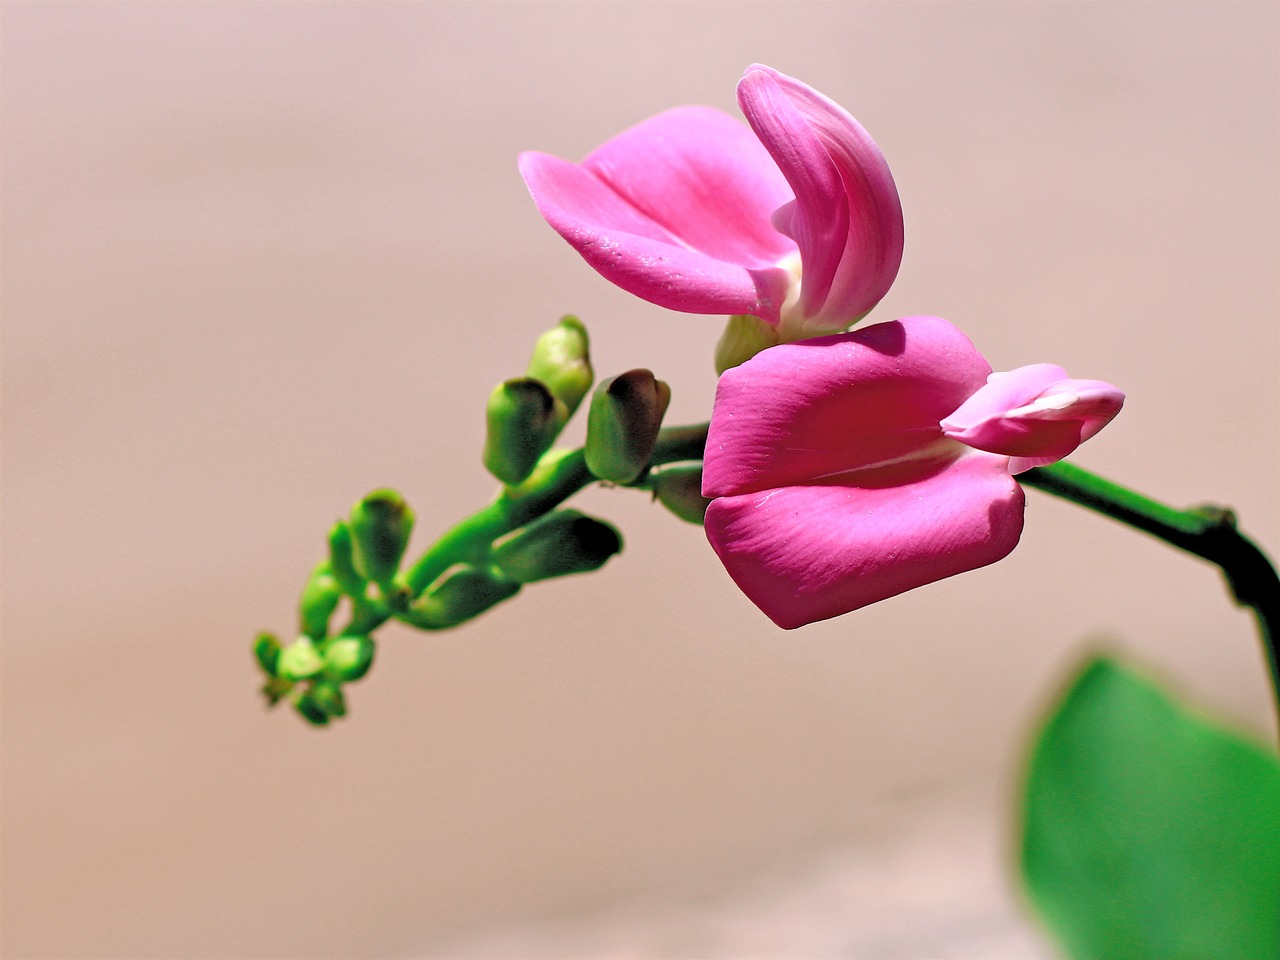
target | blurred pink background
[{"x": 262, "y": 258}]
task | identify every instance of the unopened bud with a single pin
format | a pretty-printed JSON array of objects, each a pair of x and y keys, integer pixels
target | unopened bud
[
  {"x": 380, "y": 527},
  {"x": 464, "y": 593},
  {"x": 305, "y": 702},
  {"x": 562, "y": 360},
  {"x": 299, "y": 660},
  {"x": 521, "y": 422},
  {"x": 319, "y": 599},
  {"x": 266, "y": 649},
  {"x": 555, "y": 545},
  {"x": 622, "y": 425},
  {"x": 348, "y": 658},
  {"x": 342, "y": 561},
  {"x": 328, "y": 697},
  {"x": 679, "y": 489}
]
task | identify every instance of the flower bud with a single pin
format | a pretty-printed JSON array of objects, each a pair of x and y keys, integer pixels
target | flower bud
[
  {"x": 266, "y": 648},
  {"x": 342, "y": 561},
  {"x": 311, "y": 709},
  {"x": 622, "y": 425},
  {"x": 380, "y": 526},
  {"x": 555, "y": 545},
  {"x": 319, "y": 599},
  {"x": 299, "y": 660},
  {"x": 348, "y": 658},
  {"x": 464, "y": 593},
  {"x": 562, "y": 360},
  {"x": 328, "y": 697},
  {"x": 679, "y": 489},
  {"x": 275, "y": 690},
  {"x": 521, "y": 423}
]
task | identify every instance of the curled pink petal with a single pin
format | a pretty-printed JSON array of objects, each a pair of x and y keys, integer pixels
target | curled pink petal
[
  {"x": 797, "y": 223},
  {"x": 800, "y": 412},
  {"x": 637, "y": 254},
  {"x": 1036, "y": 414},
  {"x": 870, "y": 251},
  {"x": 808, "y": 553}
]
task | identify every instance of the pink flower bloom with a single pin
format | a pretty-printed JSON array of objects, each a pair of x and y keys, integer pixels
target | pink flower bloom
[
  {"x": 851, "y": 468},
  {"x": 798, "y": 224}
]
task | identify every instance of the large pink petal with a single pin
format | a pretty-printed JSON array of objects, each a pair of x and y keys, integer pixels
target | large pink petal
[
  {"x": 808, "y": 553},
  {"x": 872, "y": 249},
  {"x": 705, "y": 178},
  {"x": 675, "y": 210},
  {"x": 638, "y": 254},
  {"x": 804, "y": 411},
  {"x": 1035, "y": 413}
]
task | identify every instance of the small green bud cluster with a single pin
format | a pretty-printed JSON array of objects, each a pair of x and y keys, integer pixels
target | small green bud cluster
[
  {"x": 523, "y": 537},
  {"x": 312, "y": 673}
]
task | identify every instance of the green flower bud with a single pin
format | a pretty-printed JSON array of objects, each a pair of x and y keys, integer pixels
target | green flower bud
[
  {"x": 310, "y": 708},
  {"x": 348, "y": 658},
  {"x": 380, "y": 526},
  {"x": 342, "y": 561},
  {"x": 743, "y": 338},
  {"x": 555, "y": 545},
  {"x": 319, "y": 599},
  {"x": 562, "y": 360},
  {"x": 679, "y": 489},
  {"x": 299, "y": 660},
  {"x": 622, "y": 425},
  {"x": 328, "y": 697},
  {"x": 266, "y": 648},
  {"x": 521, "y": 422},
  {"x": 465, "y": 592}
]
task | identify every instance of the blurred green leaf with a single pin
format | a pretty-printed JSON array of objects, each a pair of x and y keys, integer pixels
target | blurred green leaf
[{"x": 1150, "y": 831}]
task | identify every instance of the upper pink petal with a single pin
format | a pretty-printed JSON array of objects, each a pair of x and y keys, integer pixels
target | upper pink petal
[
  {"x": 675, "y": 210},
  {"x": 800, "y": 412},
  {"x": 871, "y": 247},
  {"x": 808, "y": 553},
  {"x": 1036, "y": 414}
]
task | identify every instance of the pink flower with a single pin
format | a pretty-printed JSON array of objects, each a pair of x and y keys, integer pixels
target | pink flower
[
  {"x": 798, "y": 224},
  {"x": 851, "y": 468}
]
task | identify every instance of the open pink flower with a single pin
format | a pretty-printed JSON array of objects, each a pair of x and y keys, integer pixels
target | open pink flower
[
  {"x": 795, "y": 220},
  {"x": 850, "y": 468}
]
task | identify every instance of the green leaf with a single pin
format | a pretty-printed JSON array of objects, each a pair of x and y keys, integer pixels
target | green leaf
[{"x": 1149, "y": 831}]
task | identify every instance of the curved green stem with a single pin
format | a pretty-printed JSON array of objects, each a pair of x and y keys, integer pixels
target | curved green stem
[
  {"x": 1208, "y": 532},
  {"x": 560, "y": 476}
]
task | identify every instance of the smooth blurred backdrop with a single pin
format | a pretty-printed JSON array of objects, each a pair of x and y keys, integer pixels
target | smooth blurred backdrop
[{"x": 261, "y": 258}]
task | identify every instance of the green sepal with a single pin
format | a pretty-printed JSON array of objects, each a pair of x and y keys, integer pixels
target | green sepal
[
  {"x": 380, "y": 526},
  {"x": 622, "y": 424},
  {"x": 342, "y": 561},
  {"x": 679, "y": 488},
  {"x": 562, "y": 361},
  {"x": 521, "y": 423},
  {"x": 348, "y": 658},
  {"x": 266, "y": 650},
  {"x": 299, "y": 660},
  {"x": 319, "y": 599},
  {"x": 744, "y": 336},
  {"x": 463, "y": 593},
  {"x": 555, "y": 545},
  {"x": 1149, "y": 831}
]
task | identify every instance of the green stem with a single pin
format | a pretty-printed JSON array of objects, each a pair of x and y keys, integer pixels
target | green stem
[
  {"x": 1208, "y": 532},
  {"x": 560, "y": 476}
]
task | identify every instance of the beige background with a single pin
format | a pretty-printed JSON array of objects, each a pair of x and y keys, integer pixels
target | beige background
[{"x": 259, "y": 259}]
